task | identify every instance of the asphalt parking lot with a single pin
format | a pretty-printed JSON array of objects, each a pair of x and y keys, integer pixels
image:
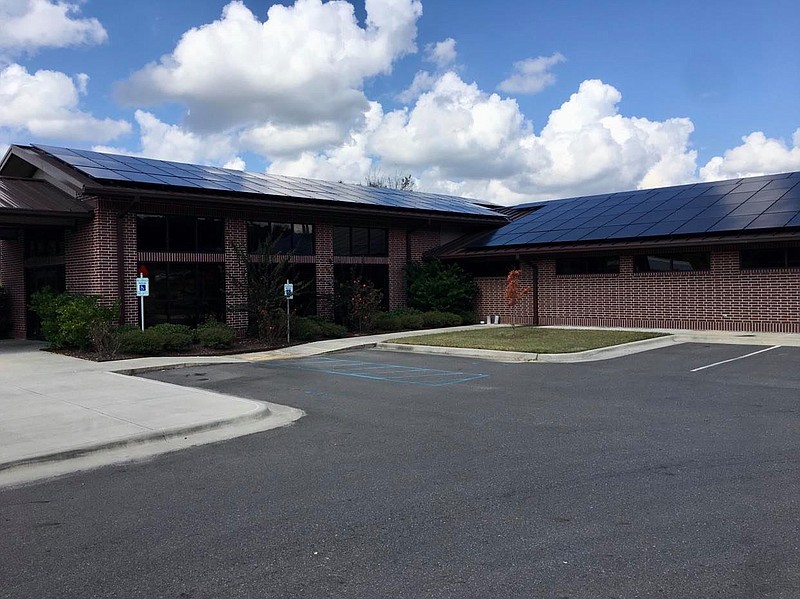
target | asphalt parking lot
[{"x": 670, "y": 473}]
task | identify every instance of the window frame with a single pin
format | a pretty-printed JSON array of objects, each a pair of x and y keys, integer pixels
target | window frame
[
  {"x": 295, "y": 243},
  {"x": 173, "y": 221},
  {"x": 790, "y": 255},
  {"x": 673, "y": 257},
  {"x": 588, "y": 262},
  {"x": 384, "y": 231}
]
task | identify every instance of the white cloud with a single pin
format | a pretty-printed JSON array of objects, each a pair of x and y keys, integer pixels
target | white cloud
[
  {"x": 757, "y": 155},
  {"x": 306, "y": 64},
  {"x": 27, "y": 25},
  {"x": 531, "y": 75},
  {"x": 461, "y": 140},
  {"x": 423, "y": 81},
  {"x": 46, "y": 103},
  {"x": 442, "y": 54},
  {"x": 281, "y": 140}
]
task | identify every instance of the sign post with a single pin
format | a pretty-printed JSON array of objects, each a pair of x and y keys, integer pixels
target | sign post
[
  {"x": 142, "y": 291},
  {"x": 288, "y": 293}
]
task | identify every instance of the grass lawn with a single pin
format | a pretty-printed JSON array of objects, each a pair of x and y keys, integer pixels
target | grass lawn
[{"x": 529, "y": 339}]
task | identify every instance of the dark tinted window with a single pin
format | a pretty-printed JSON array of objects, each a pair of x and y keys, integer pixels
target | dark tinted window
[
  {"x": 210, "y": 235},
  {"x": 341, "y": 241},
  {"x": 44, "y": 243},
  {"x": 151, "y": 233},
  {"x": 360, "y": 241},
  {"x": 490, "y": 268},
  {"x": 159, "y": 233},
  {"x": 281, "y": 237},
  {"x": 687, "y": 261},
  {"x": 185, "y": 293},
  {"x": 587, "y": 265},
  {"x": 770, "y": 258}
]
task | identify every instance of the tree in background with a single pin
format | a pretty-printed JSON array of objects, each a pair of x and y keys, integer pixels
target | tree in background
[
  {"x": 515, "y": 293},
  {"x": 402, "y": 182},
  {"x": 435, "y": 286}
]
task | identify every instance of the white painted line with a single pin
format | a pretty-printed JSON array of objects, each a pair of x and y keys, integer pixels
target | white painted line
[{"x": 761, "y": 351}]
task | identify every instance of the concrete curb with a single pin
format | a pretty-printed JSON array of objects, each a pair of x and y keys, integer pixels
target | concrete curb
[
  {"x": 591, "y": 355},
  {"x": 262, "y": 413}
]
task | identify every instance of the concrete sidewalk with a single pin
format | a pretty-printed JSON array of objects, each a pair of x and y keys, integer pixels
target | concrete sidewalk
[{"x": 61, "y": 414}]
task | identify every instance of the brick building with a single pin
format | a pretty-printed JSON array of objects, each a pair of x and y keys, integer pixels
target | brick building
[
  {"x": 723, "y": 255},
  {"x": 90, "y": 222}
]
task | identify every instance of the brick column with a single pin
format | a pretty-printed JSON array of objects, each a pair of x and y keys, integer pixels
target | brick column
[
  {"x": 12, "y": 276},
  {"x": 323, "y": 250},
  {"x": 397, "y": 265},
  {"x": 130, "y": 270},
  {"x": 236, "y": 276}
]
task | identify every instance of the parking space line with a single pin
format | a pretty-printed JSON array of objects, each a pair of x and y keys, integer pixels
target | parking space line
[
  {"x": 761, "y": 351},
  {"x": 393, "y": 373}
]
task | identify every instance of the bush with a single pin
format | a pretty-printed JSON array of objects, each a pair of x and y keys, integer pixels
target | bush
[
  {"x": 216, "y": 337},
  {"x": 435, "y": 286},
  {"x": 105, "y": 339},
  {"x": 309, "y": 328},
  {"x": 388, "y": 322},
  {"x": 173, "y": 337},
  {"x": 468, "y": 317},
  {"x": 411, "y": 321},
  {"x": 156, "y": 340},
  {"x": 435, "y": 320},
  {"x": 134, "y": 341},
  {"x": 68, "y": 318}
]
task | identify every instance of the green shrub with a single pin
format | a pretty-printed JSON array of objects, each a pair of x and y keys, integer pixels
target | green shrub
[
  {"x": 411, "y": 321},
  {"x": 173, "y": 337},
  {"x": 105, "y": 338},
  {"x": 135, "y": 341},
  {"x": 68, "y": 318},
  {"x": 435, "y": 320},
  {"x": 308, "y": 328},
  {"x": 215, "y": 337},
  {"x": 214, "y": 334},
  {"x": 468, "y": 317},
  {"x": 388, "y": 322},
  {"x": 435, "y": 286}
]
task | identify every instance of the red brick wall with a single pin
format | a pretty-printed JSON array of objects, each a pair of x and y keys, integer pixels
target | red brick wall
[
  {"x": 397, "y": 265},
  {"x": 236, "y": 276},
  {"x": 421, "y": 241},
  {"x": 723, "y": 298},
  {"x": 12, "y": 277},
  {"x": 323, "y": 251},
  {"x": 91, "y": 255},
  {"x": 492, "y": 299}
]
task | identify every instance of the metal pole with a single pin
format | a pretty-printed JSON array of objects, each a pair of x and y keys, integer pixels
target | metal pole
[
  {"x": 141, "y": 309},
  {"x": 287, "y": 320}
]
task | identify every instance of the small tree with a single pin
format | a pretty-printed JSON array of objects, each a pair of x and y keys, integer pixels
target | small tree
[
  {"x": 402, "y": 182},
  {"x": 267, "y": 271},
  {"x": 363, "y": 303},
  {"x": 514, "y": 293}
]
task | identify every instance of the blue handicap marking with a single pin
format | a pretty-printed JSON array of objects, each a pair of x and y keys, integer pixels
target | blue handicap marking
[{"x": 394, "y": 373}]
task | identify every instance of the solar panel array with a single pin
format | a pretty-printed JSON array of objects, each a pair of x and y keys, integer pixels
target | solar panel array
[
  {"x": 754, "y": 203},
  {"x": 115, "y": 168}
]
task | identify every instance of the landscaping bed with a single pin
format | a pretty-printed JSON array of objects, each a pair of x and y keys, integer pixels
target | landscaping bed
[{"x": 530, "y": 339}]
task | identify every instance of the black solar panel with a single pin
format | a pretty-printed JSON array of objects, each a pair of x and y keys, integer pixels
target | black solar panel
[
  {"x": 765, "y": 202},
  {"x": 129, "y": 169}
]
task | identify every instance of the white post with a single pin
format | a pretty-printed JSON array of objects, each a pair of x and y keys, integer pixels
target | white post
[{"x": 141, "y": 309}]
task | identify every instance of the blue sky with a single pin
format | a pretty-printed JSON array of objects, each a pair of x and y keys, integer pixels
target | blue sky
[{"x": 506, "y": 100}]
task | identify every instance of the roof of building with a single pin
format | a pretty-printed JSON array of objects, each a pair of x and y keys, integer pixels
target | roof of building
[
  {"x": 123, "y": 172},
  {"x": 751, "y": 205},
  {"x": 23, "y": 199}
]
